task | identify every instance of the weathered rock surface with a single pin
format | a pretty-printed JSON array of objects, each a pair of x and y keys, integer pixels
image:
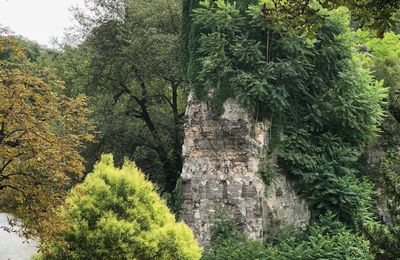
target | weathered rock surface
[
  {"x": 282, "y": 207},
  {"x": 221, "y": 156}
]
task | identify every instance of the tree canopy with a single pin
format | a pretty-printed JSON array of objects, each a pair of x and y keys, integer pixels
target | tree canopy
[
  {"x": 127, "y": 63},
  {"x": 41, "y": 132}
]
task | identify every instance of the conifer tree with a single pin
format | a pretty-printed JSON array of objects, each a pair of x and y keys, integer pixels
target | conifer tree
[{"x": 117, "y": 214}]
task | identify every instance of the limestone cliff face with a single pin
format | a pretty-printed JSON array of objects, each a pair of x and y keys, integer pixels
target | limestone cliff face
[{"x": 221, "y": 156}]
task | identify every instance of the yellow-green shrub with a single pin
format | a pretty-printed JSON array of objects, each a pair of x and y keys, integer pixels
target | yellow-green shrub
[{"x": 116, "y": 214}]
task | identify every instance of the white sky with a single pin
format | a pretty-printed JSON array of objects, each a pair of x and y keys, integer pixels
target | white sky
[{"x": 38, "y": 20}]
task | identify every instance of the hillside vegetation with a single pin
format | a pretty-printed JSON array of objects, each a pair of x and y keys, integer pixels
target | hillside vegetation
[{"x": 91, "y": 133}]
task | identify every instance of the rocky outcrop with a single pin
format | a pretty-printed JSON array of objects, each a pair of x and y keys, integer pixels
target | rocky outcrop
[
  {"x": 221, "y": 156},
  {"x": 282, "y": 207}
]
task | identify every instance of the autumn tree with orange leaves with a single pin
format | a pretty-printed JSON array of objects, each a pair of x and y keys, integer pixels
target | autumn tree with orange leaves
[{"x": 41, "y": 133}]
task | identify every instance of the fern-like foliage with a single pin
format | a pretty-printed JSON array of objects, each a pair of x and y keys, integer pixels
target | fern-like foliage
[{"x": 328, "y": 105}]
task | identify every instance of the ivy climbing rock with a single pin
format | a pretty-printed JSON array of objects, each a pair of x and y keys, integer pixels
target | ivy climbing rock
[{"x": 220, "y": 171}]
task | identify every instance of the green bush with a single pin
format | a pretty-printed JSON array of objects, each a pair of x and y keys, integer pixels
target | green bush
[
  {"x": 328, "y": 239},
  {"x": 116, "y": 214},
  {"x": 229, "y": 250},
  {"x": 228, "y": 243}
]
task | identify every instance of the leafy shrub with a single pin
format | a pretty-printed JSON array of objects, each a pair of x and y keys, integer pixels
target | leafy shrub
[
  {"x": 229, "y": 243},
  {"x": 224, "y": 228},
  {"x": 328, "y": 239},
  {"x": 229, "y": 250},
  {"x": 116, "y": 214}
]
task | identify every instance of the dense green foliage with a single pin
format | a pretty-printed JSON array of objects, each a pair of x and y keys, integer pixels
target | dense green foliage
[
  {"x": 383, "y": 59},
  {"x": 378, "y": 15},
  {"x": 291, "y": 63},
  {"x": 41, "y": 134},
  {"x": 330, "y": 107},
  {"x": 116, "y": 214},
  {"x": 384, "y": 66},
  {"x": 327, "y": 239},
  {"x": 127, "y": 63}
]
